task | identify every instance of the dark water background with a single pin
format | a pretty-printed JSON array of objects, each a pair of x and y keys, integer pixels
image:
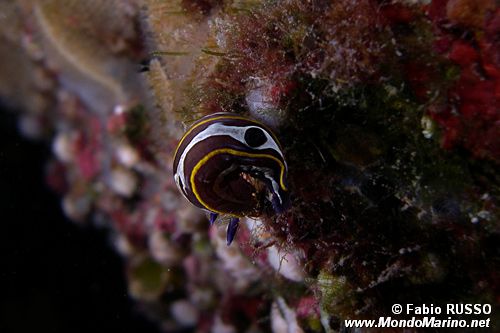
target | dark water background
[{"x": 55, "y": 276}]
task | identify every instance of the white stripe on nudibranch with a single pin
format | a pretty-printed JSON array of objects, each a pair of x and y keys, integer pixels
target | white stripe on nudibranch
[
  {"x": 236, "y": 132},
  {"x": 276, "y": 187}
]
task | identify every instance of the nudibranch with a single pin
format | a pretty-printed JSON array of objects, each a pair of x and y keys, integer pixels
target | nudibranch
[{"x": 232, "y": 165}]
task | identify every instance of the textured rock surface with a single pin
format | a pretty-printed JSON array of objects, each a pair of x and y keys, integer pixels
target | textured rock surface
[{"x": 389, "y": 114}]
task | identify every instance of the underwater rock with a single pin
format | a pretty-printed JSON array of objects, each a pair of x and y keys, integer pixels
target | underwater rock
[{"x": 388, "y": 116}]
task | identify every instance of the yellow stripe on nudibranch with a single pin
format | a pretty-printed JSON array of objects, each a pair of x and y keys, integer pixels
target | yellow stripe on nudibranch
[
  {"x": 224, "y": 117},
  {"x": 207, "y": 157}
]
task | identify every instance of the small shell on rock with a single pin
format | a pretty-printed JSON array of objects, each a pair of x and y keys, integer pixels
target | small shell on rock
[
  {"x": 76, "y": 207},
  {"x": 263, "y": 106},
  {"x": 127, "y": 155},
  {"x": 122, "y": 245},
  {"x": 184, "y": 313},
  {"x": 63, "y": 147},
  {"x": 123, "y": 182},
  {"x": 285, "y": 263}
]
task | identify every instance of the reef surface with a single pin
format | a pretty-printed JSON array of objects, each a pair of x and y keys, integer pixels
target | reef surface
[{"x": 388, "y": 113}]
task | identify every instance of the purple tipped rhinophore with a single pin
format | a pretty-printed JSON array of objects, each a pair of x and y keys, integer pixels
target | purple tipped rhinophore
[
  {"x": 213, "y": 217},
  {"x": 232, "y": 227}
]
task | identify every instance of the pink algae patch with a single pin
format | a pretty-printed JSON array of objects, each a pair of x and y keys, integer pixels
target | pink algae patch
[{"x": 471, "y": 118}]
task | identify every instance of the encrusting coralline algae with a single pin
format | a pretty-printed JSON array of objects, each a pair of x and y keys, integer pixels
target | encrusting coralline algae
[{"x": 389, "y": 117}]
